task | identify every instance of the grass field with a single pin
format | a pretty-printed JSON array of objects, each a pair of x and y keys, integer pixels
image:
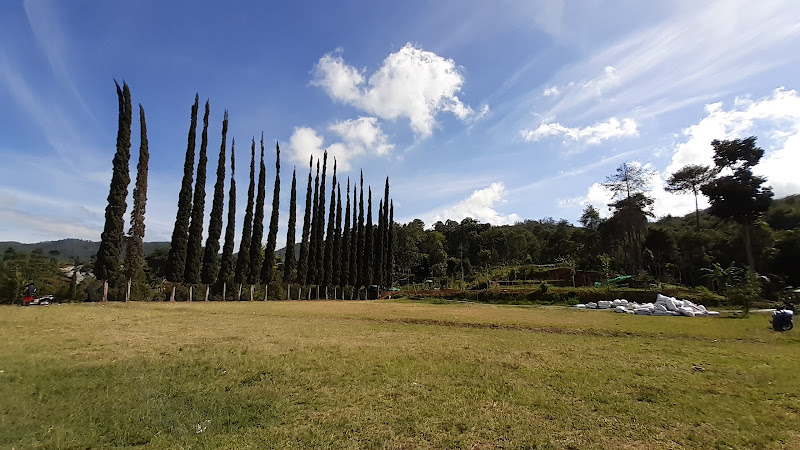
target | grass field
[{"x": 391, "y": 374}]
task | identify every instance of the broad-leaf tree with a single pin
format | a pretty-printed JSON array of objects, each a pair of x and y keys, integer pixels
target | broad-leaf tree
[
  {"x": 689, "y": 179},
  {"x": 740, "y": 196}
]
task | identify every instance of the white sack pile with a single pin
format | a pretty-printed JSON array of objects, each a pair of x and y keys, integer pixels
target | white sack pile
[{"x": 663, "y": 306}]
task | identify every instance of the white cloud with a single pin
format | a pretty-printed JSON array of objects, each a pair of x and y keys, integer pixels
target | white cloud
[
  {"x": 552, "y": 91},
  {"x": 412, "y": 83},
  {"x": 607, "y": 80},
  {"x": 593, "y": 134},
  {"x": 359, "y": 137},
  {"x": 363, "y": 133},
  {"x": 774, "y": 119},
  {"x": 481, "y": 205},
  {"x": 691, "y": 53}
]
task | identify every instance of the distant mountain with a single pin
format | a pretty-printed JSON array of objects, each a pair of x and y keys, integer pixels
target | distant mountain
[{"x": 71, "y": 248}]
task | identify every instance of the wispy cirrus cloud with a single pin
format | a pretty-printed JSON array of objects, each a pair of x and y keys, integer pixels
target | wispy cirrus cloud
[
  {"x": 684, "y": 56},
  {"x": 592, "y": 134}
]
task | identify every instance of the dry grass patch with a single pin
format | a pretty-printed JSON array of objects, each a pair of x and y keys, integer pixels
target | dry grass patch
[{"x": 390, "y": 374}]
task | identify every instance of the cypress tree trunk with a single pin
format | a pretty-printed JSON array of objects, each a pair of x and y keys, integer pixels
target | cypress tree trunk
[
  {"x": 176, "y": 266},
  {"x": 302, "y": 265},
  {"x": 109, "y": 255},
  {"x": 344, "y": 276},
  {"x": 256, "y": 257},
  {"x": 226, "y": 268},
  {"x": 337, "y": 240},
  {"x": 369, "y": 244},
  {"x": 243, "y": 261},
  {"x": 360, "y": 254},
  {"x": 194, "y": 252},
  {"x": 319, "y": 276},
  {"x": 311, "y": 278},
  {"x": 267, "y": 271},
  {"x": 288, "y": 260},
  {"x": 211, "y": 257},
  {"x": 390, "y": 248},
  {"x": 134, "y": 257},
  {"x": 329, "y": 235}
]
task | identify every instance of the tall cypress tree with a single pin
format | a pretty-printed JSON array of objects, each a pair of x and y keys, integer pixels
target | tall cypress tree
[
  {"x": 288, "y": 259},
  {"x": 378, "y": 238},
  {"x": 243, "y": 261},
  {"x": 344, "y": 251},
  {"x": 113, "y": 238},
  {"x": 353, "y": 265},
  {"x": 194, "y": 250},
  {"x": 211, "y": 257},
  {"x": 312, "y": 244},
  {"x": 369, "y": 244},
  {"x": 385, "y": 237},
  {"x": 390, "y": 248},
  {"x": 256, "y": 257},
  {"x": 267, "y": 271},
  {"x": 319, "y": 276},
  {"x": 226, "y": 267},
  {"x": 329, "y": 235},
  {"x": 134, "y": 257},
  {"x": 176, "y": 266},
  {"x": 360, "y": 255},
  {"x": 387, "y": 225},
  {"x": 337, "y": 239},
  {"x": 302, "y": 264}
]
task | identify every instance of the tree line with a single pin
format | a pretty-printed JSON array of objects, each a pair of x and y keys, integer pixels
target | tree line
[
  {"x": 342, "y": 247},
  {"x": 347, "y": 251},
  {"x": 743, "y": 229}
]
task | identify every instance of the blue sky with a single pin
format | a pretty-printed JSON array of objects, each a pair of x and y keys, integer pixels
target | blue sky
[{"x": 499, "y": 110}]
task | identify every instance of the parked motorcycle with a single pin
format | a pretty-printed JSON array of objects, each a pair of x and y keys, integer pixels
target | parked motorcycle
[{"x": 782, "y": 319}]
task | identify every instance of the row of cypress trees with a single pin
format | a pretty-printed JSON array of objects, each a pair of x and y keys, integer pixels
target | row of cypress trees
[
  {"x": 357, "y": 254},
  {"x": 330, "y": 255}
]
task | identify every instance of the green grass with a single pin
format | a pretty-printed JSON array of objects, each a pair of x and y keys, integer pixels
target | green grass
[{"x": 390, "y": 374}]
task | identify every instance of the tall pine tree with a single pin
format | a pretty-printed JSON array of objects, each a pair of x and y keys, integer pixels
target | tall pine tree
[
  {"x": 390, "y": 248},
  {"x": 312, "y": 244},
  {"x": 113, "y": 238},
  {"x": 385, "y": 238},
  {"x": 211, "y": 256},
  {"x": 176, "y": 265},
  {"x": 289, "y": 258},
  {"x": 344, "y": 251},
  {"x": 243, "y": 260},
  {"x": 353, "y": 266},
  {"x": 256, "y": 257},
  {"x": 134, "y": 257},
  {"x": 194, "y": 250},
  {"x": 226, "y": 267},
  {"x": 378, "y": 239},
  {"x": 267, "y": 271},
  {"x": 302, "y": 263},
  {"x": 319, "y": 276},
  {"x": 329, "y": 235},
  {"x": 361, "y": 254},
  {"x": 337, "y": 240},
  {"x": 369, "y": 244}
]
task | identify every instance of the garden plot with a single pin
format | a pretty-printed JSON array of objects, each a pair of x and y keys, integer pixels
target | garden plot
[{"x": 663, "y": 306}]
